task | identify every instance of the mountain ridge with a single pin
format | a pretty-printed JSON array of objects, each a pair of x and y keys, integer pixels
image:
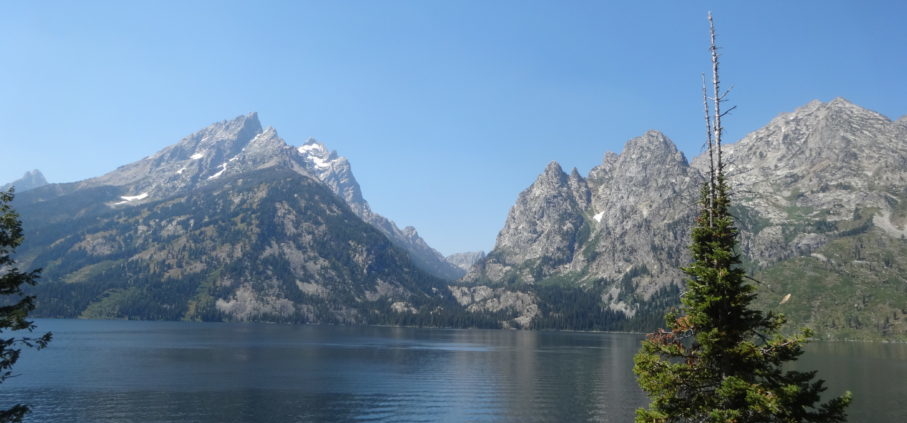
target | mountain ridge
[{"x": 811, "y": 182}]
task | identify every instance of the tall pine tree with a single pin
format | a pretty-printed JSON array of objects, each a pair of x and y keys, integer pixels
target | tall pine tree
[{"x": 720, "y": 359}]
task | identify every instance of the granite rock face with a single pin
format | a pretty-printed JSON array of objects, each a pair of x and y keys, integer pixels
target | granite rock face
[
  {"x": 805, "y": 179},
  {"x": 545, "y": 228},
  {"x": 812, "y": 168},
  {"x": 626, "y": 221}
]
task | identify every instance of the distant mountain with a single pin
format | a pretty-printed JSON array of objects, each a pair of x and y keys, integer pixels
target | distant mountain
[
  {"x": 465, "y": 260},
  {"x": 230, "y": 223},
  {"x": 820, "y": 198},
  {"x": 620, "y": 231},
  {"x": 31, "y": 180},
  {"x": 335, "y": 171}
]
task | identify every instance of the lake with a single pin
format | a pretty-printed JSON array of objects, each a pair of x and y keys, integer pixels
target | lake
[{"x": 127, "y": 371}]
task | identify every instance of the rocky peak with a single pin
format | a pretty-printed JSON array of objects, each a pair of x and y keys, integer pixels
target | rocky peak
[
  {"x": 821, "y": 162},
  {"x": 202, "y": 156},
  {"x": 335, "y": 171},
  {"x": 545, "y": 222},
  {"x": 815, "y": 145},
  {"x": 553, "y": 175},
  {"x": 652, "y": 145},
  {"x": 650, "y": 164},
  {"x": 642, "y": 154},
  {"x": 225, "y": 135},
  {"x": 31, "y": 180}
]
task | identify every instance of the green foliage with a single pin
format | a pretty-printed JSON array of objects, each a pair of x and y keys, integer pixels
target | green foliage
[
  {"x": 15, "y": 305},
  {"x": 722, "y": 360},
  {"x": 852, "y": 288}
]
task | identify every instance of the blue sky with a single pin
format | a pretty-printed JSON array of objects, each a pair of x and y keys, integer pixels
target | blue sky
[{"x": 446, "y": 109}]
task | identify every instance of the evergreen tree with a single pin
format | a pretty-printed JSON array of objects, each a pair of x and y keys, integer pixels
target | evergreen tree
[
  {"x": 14, "y": 305},
  {"x": 722, "y": 360}
]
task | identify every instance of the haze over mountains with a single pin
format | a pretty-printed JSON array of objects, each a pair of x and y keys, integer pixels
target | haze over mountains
[
  {"x": 31, "y": 180},
  {"x": 232, "y": 223}
]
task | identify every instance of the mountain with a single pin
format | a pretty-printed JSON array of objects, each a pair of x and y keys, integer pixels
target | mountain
[
  {"x": 31, "y": 180},
  {"x": 823, "y": 216},
  {"x": 230, "y": 223},
  {"x": 465, "y": 260},
  {"x": 619, "y": 232},
  {"x": 335, "y": 171},
  {"x": 819, "y": 198}
]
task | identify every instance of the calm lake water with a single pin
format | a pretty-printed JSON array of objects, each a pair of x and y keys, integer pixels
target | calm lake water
[{"x": 120, "y": 371}]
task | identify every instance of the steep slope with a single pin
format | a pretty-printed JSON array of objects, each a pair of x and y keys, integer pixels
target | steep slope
[
  {"x": 241, "y": 145},
  {"x": 229, "y": 223},
  {"x": 542, "y": 233},
  {"x": 31, "y": 180},
  {"x": 644, "y": 204},
  {"x": 617, "y": 235},
  {"x": 632, "y": 212},
  {"x": 820, "y": 199},
  {"x": 268, "y": 245},
  {"x": 335, "y": 171},
  {"x": 807, "y": 171},
  {"x": 822, "y": 195}
]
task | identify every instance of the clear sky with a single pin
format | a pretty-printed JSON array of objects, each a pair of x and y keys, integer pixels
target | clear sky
[{"x": 446, "y": 109}]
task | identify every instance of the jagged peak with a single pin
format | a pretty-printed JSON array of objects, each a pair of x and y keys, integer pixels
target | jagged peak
[
  {"x": 651, "y": 145},
  {"x": 241, "y": 123},
  {"x": 553, "y": 175},
  {"x": 554, "y": 167},
  {"x": 267, "y": 137},
  {"x": 314, "y": 147},
  {"x": 819, "y": 110},
  {"x": 651, "y": 139},
  {"x": 30, "y": 180}
]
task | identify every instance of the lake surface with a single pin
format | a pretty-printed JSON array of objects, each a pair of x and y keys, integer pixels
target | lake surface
[{"x": 121, "y": 371}]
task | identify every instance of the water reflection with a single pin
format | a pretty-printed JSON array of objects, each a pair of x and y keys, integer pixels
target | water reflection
[{"x": 158, "y": 371}]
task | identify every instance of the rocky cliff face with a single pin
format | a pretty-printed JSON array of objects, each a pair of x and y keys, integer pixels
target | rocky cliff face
[
  {"x": 827, "y": 180},
  {"x": 626, "y": 222},
  {"x": 31, "y": 180},
  {"x": 543, "y": 230},
  {"x": 808, "y": 170}
]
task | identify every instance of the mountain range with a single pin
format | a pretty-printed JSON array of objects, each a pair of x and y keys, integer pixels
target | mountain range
[
  {"x": 820, "y": 201},
  {"x": 230, "y": 223},
  {"x": 233, "y": 223}
]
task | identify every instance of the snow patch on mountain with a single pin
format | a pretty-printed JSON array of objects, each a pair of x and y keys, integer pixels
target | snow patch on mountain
[
  {"x": 223, "y": 167},
  {"x": 131, "y": 198}
]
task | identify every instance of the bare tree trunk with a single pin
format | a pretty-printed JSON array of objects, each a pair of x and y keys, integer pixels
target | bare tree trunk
[
  {"x": 708, "y": 133},
  {"x": 716, "y": 91}
]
